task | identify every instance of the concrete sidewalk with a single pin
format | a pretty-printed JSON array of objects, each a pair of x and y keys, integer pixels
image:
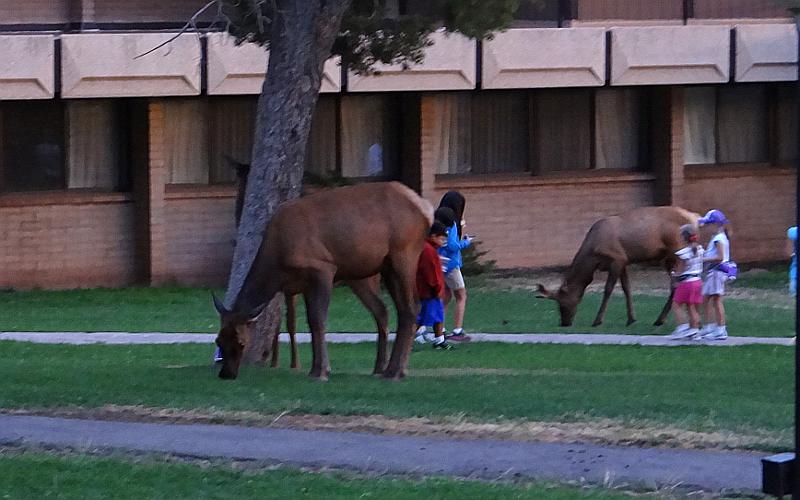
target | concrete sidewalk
[
  {"x": 483, "y": 459},
  {"x": 353, "y": 338}
]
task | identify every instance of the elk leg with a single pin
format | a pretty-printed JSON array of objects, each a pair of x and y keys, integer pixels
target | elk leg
[
  {"x": 400, "y": 280},
  {"x": 626, "y": 288},
  {"x": 291, "y": 325},
  {"x": 368, "y": 292},
  {"x": 613, "y": 273},
  {"x": 275, "y": 361},
  {"x": 668, "y": 306},
  {"x": 317, "y": 301}
]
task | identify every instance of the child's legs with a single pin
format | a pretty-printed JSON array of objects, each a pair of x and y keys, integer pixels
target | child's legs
[
  {"x": 438, "y": 329},
  {"x": 448, "y": 294},
  {"x": 680, "y": 318},
  {"x": 694, "y": 316},
  {"x": 461, "y": 306},
  {"x": 719, "y": 309},
  {"x": 708, "y": 313}
]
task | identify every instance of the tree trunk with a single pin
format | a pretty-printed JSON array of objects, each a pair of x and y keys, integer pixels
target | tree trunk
[{"x": 302, "y": 36}]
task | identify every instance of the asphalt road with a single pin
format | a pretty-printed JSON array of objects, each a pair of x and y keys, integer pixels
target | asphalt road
[{"x": 481, "y": 459}]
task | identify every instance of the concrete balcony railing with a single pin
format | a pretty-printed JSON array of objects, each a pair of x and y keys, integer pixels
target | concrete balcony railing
[
  {"x": 662, "y": 55},
  {"x": 240, "y": 69},
  {"x": 766, "y": 53},
  {"x": 450, "y": 64},
  {"x": 27, "y": 67},
  {"x": 558, "y": 57},
  {"x": 106, "y": 64}
]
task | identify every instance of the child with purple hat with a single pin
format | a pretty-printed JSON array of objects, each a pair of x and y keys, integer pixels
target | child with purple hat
[{"x": 717, "y": 255}]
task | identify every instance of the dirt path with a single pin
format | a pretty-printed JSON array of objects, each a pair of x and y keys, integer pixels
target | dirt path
[{"x": 484, "y": 459}]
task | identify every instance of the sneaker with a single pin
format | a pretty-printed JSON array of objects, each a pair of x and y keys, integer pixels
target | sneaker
[
  {"x": 218, "y": 355},
  {"x": 678, "y": 332},
  {"x": 459, "y": 336},
  {"x": 709, "y": 328},
  {"x": 720, "y": 333},
  {"x": 421, "y": 330},
  {"x": 420, "y": 339},
  {"x": 684, "y": 334},
  {"x": 445, "y": 346}
]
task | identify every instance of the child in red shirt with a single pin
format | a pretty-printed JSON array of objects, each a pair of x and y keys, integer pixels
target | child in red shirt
[{"x": 430, "y": 285}]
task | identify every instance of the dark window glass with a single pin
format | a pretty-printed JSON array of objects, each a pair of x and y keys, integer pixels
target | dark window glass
[{"x": 32, "y": 146}]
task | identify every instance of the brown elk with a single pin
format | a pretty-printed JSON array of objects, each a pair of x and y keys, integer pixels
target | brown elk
[
  {"x": 644, "y": 234},
  {"x": 367, "y": 290},
  {"x": 348, "y": 233}
]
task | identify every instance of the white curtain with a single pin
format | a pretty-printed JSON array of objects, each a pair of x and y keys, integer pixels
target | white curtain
[
  {"x": 232, "y": 123},
  {"x": 93, "y": 144},
  {"x": 699, "y": 125},
  {"x": 321, "y": 150},
  {"x": 451, "y": 133},
  {"x": 743, "y": 124},
  {"x": 617, "y": 128},
  {"x": 562, "y": 129},
  {"x": 186, "y": 141},
  {"x": 369, "y": 136}
]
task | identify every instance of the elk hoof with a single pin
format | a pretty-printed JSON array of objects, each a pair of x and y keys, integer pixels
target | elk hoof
[
  {"x": 390, "y": 374},
  {"x": 631, "y": 321},
  {"x": 597, "y": 322},
  {"x": 318, "y": 375},
  {"x": 659, "y": 322}
]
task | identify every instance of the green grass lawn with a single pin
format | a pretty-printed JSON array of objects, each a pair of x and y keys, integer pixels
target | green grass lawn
[
  {"x": 744, "y": 390},
  {"x": 38, "y": 475},
  {"x": 489, "y": 310}
]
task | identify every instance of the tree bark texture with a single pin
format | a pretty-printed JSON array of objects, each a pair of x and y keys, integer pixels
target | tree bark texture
[{"x": 303, "y": 34}]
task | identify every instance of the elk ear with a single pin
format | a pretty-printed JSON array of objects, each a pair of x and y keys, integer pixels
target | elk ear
[
  {"x": 544, "y": 293},
  {"x": 219, "y": 306}
]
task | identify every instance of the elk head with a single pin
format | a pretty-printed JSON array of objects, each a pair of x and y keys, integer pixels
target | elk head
[
  {"x": 567, "y": 302},
  {"x": 234, "y": 336}
]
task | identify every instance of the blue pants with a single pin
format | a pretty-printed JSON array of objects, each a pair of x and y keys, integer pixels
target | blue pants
[{"x": 431, "y": 311}]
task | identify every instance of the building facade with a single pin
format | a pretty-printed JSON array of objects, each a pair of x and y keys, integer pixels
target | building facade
[{"x": 113, "y": 167}]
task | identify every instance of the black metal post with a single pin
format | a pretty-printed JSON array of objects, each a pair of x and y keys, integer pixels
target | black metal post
[{"x": 796, "y": 476}]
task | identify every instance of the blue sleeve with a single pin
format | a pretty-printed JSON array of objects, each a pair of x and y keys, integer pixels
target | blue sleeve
[
  {"x": 453, "y": 245},
  {"x": 792, "y": 233}
]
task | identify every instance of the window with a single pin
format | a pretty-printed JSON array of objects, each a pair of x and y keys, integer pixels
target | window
[
  {"x": 541, "y": 131},
  {"x": 55, "y": 145},
  {"x": 746, "y": 123},
  {"x": 369, "y": 136},
  {"x": 232, "y": 124},
  {"x": 562, "y": 136},
  {"x": 32, "y": 146}
]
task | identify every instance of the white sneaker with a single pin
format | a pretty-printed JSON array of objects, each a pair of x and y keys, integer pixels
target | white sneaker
[
  {"x": 720, "y": 333},
  {"x": 684, "y": 334},
  {"x": 678, "y": 331},
  {"x": 420, "y": 339},
  {"x": 707, "y": 329},
  {"x": 421, "y": 330}
]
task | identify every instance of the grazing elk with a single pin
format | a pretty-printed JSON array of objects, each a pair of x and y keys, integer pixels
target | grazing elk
[
  {"x": 644, "y": 234},
  {"x": 367, "y": 290},
  {"x": 348, "y": 233}
]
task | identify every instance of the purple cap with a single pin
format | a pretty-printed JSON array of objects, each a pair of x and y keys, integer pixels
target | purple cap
[{"x": 713, "y": 217}]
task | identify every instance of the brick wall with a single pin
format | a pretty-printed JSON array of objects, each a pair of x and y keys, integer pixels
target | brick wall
[
  {"x": 79, "y": 243},
  {"x": 34, "y": 11},
  {"x": 199, "y": 229},
  {"x": 541, "y": 222},
  {"x": 759, "y": 201}
]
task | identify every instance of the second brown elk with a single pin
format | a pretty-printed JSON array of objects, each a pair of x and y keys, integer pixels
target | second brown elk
[
  {"x": 367, "y": 290},
  {"x": 646, "y": 234}
]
